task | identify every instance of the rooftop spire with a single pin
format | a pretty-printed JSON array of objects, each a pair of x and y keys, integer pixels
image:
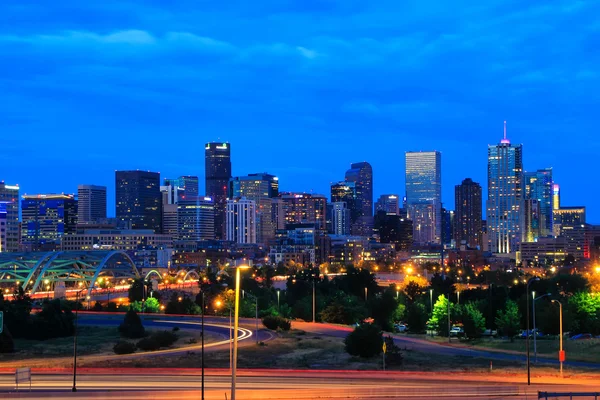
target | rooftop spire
[{"x": 505, "y": 140}]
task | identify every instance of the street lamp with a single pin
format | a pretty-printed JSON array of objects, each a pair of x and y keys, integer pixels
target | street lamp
[
  {"x": 235, "y": 321},
  {"x": 561, "y": 354},
  {"x": 366, "y": 292},
  {"x": 202, "y": 396},
  {"x": 278, "y": 293},
  {"x": 535, "y": 278},
  {"x": 431, "y": 299},
  {"x": 219, "y": 303},
  {"x": 458, "y": 297},
  {"x": 534, "y": 331},
  {"x": 74, "y": 389}
]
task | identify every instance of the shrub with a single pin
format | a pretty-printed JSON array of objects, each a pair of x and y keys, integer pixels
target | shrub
[
  {"x": 123, "y": 347},
  {"x": 7, "y": 345},
  {"x": 97, "y": 307},
  {"x": 111, "y": 307},
  {"x": 132, "y": 326},
  {"x": 365, "y": 341},
  {"x": 164, "y": 338},
  {"x": 393, "y": 356},
  {"x": 148, "y": 344},
  {"x": 273, "y": 323}
]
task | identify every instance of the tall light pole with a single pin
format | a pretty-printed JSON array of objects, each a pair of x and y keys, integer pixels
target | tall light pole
[
  {"x": 202, "y": 397},
  {"x": 278, "y": 292},
  {"x": 431, "y": 300},
  {"x": 534, "y": 331},
  {"x": 74, "y": 389},
  {"x": 458, "y": 297},
  {"x": 366, "y": 292},
  {"x": 535, "y": 278},
  {"x": 561, "y": 354},
  {"x": 314, "y": 301},
  {"x": 236, "y": 324}
]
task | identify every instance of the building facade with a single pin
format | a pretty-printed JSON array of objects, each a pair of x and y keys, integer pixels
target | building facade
[
  {"x": 47, "y": 219},
  {"x": 505, "y": 178},
  {"x": 261, "y": 188},
  {"x": 424, "y": 195},
  {"x": 112, "y": 239},
  {"x": 340, "y": 218},
  {"x": 539, "y": 186},
  {"x": 181, "y": 188},
  {"x": 217, "y": 163},
  {"x": 195, "y": 219},
  {"x": 91, "y": 204},
  {"x": 467, "y": 214},
  {"x": 361, "y": 174},
  {"x": 9, "y": 197},
  {"x": 390, "y": 203},
  {"x": 241, "y": 220},
  {"x": 567, "y": 217},
  {"x": 300, "y": 208},
  {"x": 139, "y": 200}
]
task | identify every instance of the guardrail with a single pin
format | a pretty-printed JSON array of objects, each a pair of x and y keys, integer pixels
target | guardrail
[{"x": 570, "y": 395}]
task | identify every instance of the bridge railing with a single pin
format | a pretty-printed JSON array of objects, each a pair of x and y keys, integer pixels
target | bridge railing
[{"x": 570, "y": 395}]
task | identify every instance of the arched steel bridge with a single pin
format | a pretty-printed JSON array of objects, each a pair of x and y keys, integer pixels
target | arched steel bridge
[{"x": 40, "y": 271}]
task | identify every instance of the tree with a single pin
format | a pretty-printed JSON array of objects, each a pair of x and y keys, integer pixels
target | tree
[
  {"x": 344, "y": 309},
  {"x": 473, "y": 321},
  {"x": 365, "y": 341},
  {"x": 586, "y": 310},
  {"x": 7, "y": 345},
  {"x": 137, "y": 290},
  {"x": 382, "y": 310},
  {"x": 132, "y": 326},
  {"x": 508, "y": 321},
  {"x": 439, "y": 317},
  {"x": 416, "y": 317}
]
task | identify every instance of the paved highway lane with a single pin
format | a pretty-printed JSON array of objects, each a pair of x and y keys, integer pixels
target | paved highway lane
[{"x": 273, "y": 384}]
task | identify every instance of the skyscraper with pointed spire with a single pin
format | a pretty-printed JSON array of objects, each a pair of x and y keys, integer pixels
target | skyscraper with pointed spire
[{"x": 503, "y": 206}]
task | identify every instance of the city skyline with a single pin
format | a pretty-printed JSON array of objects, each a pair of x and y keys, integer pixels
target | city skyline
[
  {"x": 273, "y": 83},
  {"x": 293, "y": 187}
]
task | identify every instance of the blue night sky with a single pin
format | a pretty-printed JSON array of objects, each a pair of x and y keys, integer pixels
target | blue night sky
[{"x": 299, "y": 88}]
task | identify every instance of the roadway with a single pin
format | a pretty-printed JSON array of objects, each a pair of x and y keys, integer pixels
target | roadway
[{"x": 284, "y": 384}]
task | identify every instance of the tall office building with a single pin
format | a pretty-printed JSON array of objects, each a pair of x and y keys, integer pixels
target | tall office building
[
  {"x": 505, "y": 177},
  {"x": 555, "y": 197},
  {"x": 424, "y": 195},
  {"x": 345, "y": 192},
  {"x": 340, "y": 218},
  {"x": 195, "y": 219},
  {"x": 9, "y": 197},
  {"x": 300, "y": 208},
  {"x": 392, "y": 228},
  {"x": 181, "y": 188},
  {"x": 217, "y": 169},
  {"x": 241, "y": 220},
  {"x": 138, "y": 199},
  {"x": 568, "y": 218},
  {"x": 447, "y": 226},
  {"x": 361, "y": 174},
  {"x": 261, "y": 188},
  {"x": 538, "y": 186},
  {"x": 91, "y": 204},
  {"x": 468, "y": 213},
  {"x": 46, "y": 219},
  {"x": 390, "y": 203}
]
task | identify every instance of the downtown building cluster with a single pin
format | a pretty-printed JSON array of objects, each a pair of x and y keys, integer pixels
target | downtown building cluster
[{"x": 169, "y": 223}]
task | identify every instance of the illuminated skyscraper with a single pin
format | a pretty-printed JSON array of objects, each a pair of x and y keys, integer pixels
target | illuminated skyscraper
[
  {"x": 555, "y": 197},
  {"x": 300, "y": 208},
  {"x": 505, "y": 177},
  {"x": 261, "y": 188},
  {"x": 46, "y": 219},
  {"x": 217, "y": 174},
  {"x": 390, "y": 203},
  {"x": 91, "y": 204},
  {"x": 361, "y": 174},
  {"x": 195, "y": 219},
  {"x": 340, "y": 216},
  {"x": 182, "y": 187},
  {"x": 138, "y": 199},
  {"x": 9, "y": 196},
  {"x": 424, "y": 194},
  {"x": 538, "y": 186},
  {"x": 241, "y": 220},
  {"x": 467, "y": 217}
]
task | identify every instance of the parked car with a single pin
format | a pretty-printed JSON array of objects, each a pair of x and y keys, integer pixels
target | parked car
[
  {"x": 523, "y": 334},
  {"x": 400, "y": 328},
  {"x": 457, "y": 331},
  {"x": 582, "y": 336},
  {"x": 490, "y": 333}
]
